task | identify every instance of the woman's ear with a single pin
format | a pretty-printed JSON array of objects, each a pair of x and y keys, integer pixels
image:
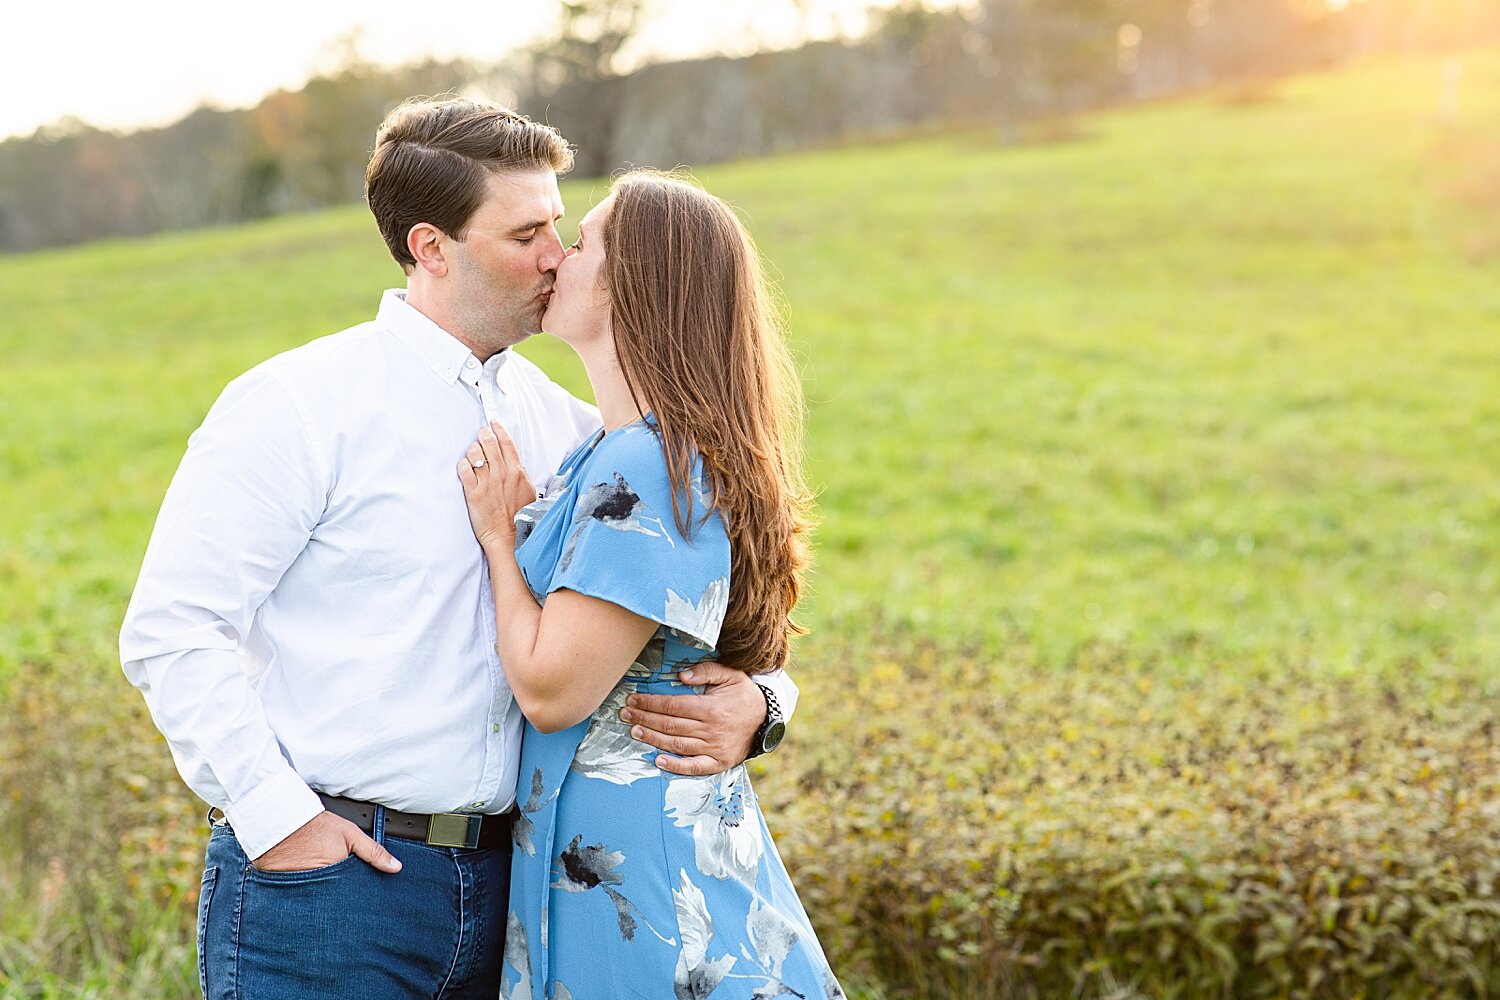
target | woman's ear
[{"x": 424, "y": 242}]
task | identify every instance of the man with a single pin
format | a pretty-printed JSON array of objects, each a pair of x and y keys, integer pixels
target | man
[{"x": 313, "y": 629}]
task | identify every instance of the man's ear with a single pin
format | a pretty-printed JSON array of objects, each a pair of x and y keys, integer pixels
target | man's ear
[{"x": 424, "y": 242}]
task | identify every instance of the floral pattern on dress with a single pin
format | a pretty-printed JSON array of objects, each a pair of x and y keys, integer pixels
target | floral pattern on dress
[
  {"x": 608, "y": 751},
  {"x": 697, "y": 974},
  {"x": 727, "y": 842},
  {"x": 614, "y": 505},
  {"x": 518, "y": 957},
  {"x": 698, "y": 622},
  {"x": 581, "y": 868},
  {"x": 771, "y": 935},
  {"x": 523, "y": 827}
]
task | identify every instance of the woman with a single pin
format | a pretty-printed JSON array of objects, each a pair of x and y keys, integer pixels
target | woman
[{"x": 627, "y": 879}]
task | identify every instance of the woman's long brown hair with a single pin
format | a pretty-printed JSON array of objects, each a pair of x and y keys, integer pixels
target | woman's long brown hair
[{"x": 701, "y": 346}]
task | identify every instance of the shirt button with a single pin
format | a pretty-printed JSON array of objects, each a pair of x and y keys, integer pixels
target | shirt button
[
  {"x": 476, "y": 805},
  {"x": 495, "y": 728},
  {"x": 471, "y": 363}
]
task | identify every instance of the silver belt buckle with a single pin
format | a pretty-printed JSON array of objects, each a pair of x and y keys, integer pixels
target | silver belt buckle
[{"x": 454, "y": 830}]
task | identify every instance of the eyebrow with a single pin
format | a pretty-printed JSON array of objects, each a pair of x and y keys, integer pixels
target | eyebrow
[{"x": 529, "y": 226}]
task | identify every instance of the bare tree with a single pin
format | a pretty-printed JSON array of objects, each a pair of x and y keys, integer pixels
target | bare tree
[{"x": 576, "y": 69}]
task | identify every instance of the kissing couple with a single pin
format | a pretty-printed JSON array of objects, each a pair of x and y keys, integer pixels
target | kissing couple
[{"x": 467, "y": 668}]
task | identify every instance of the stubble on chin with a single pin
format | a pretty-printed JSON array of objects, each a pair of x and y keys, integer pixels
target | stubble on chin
[
  {"x": 521, "y": 329},
  {"x": 530, "y": 325},
  {"x": 508, "y": 331}
]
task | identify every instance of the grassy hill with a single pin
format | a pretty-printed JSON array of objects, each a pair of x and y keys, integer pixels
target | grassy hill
[{"x": 1137, "y": 452}]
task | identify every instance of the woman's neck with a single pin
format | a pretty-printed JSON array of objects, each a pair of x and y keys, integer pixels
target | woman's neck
[{"x": 611, "y": 391}]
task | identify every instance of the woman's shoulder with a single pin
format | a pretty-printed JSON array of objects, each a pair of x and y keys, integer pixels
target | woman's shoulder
[
  {"x": 635, "y": 452},
  {"x": 635, "y": 443},
  {"x": 626, "y": 466},
  {"x": 628, "y": 470}
]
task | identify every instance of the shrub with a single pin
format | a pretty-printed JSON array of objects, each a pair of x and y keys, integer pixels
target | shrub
[
  {"x": 101, "y": 843},
  {"x": 960, "y": 829},
  {"x": 956, "y": 829}
]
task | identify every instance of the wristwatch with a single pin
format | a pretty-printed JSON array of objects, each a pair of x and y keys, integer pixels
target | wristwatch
[{"x": 772, "y": 730}]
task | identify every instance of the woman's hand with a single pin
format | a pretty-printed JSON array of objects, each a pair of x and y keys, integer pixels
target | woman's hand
[{"x": 495, "y": 487}]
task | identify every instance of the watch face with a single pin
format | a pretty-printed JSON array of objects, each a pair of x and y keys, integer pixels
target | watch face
[{"x": 775, "y": 732}]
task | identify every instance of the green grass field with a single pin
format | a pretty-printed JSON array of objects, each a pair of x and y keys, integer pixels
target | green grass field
[{"x": 1174, "y": 438}]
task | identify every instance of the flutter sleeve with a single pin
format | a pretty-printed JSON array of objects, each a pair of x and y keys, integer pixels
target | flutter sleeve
[{"x": 624, "y": 545}]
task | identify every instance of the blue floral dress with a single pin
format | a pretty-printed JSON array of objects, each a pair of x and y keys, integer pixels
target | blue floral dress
[{"x": 626, "y": 878}]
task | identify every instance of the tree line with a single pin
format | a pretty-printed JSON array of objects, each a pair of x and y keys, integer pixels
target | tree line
[{"x": 999, "y": 63}]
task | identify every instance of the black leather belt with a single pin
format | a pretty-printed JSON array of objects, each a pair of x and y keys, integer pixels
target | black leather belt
[{"x": 469, "y": 830}]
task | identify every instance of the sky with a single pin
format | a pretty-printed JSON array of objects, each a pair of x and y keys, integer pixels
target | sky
[{"x": 126, "y": 66}]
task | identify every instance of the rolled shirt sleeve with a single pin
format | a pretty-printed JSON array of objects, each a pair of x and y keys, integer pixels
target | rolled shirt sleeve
[
  {"x": 784, "y": 688},
  {"x": 242, "y": 506}
]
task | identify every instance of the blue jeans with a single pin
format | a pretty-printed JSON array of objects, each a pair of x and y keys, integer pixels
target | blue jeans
[{"x": 434, "y": 929}]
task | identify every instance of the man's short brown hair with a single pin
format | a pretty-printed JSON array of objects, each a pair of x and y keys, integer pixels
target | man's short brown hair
[{"x": 432, "y": 157}]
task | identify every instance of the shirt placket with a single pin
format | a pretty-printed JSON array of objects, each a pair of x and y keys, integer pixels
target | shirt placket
[{"x": 501, "y": 705}]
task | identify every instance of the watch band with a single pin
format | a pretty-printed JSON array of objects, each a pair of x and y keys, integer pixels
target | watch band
[{"x": 773, "y": 726}]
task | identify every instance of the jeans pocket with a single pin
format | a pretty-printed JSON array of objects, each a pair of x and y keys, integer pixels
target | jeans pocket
[
  {"x": 325, "y": 932},
  {"x": 205, "y": 899},
  {"x": 304, "y": 875}
]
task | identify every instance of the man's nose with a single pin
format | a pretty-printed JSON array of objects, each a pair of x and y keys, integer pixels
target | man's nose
[{"x": 552, "y": 255}]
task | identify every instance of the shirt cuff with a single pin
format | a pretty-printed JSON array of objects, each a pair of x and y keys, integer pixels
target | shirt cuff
[
  {"x": 274, "y": 810},
  {"x": 784, "y": 688}
]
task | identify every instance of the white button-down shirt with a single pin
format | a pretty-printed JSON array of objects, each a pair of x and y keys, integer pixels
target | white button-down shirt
[{"x": 313, "y": 610}]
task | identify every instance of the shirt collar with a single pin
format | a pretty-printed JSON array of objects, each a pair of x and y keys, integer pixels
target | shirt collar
[{"x": 444, "y": 353}]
